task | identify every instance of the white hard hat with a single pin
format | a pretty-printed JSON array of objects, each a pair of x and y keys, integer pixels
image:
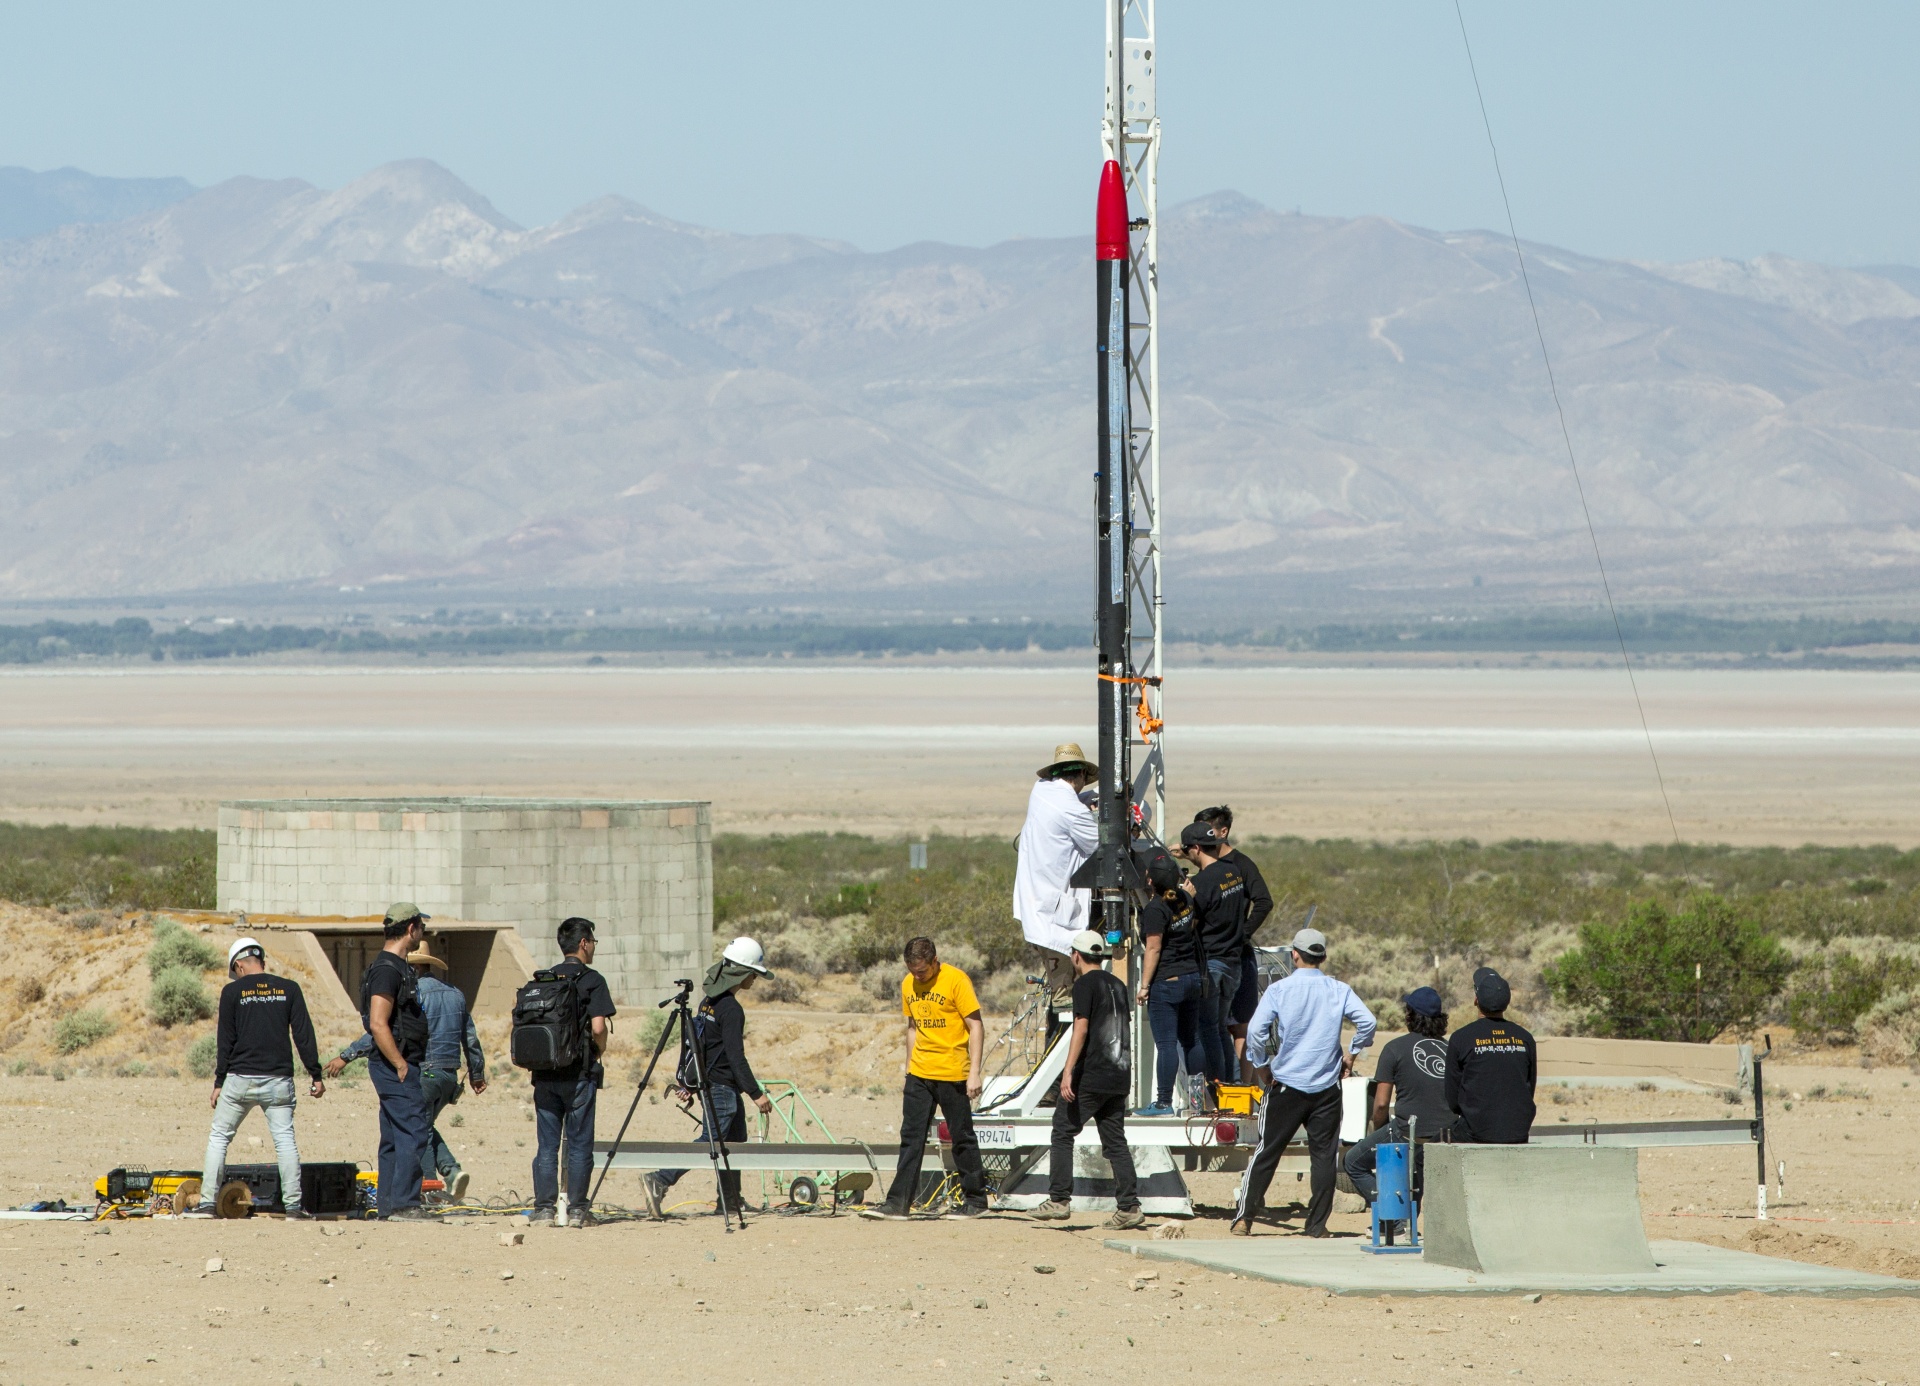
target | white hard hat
[
  {"x": 241, "y": 945},
  {"x": 747, "y": 953}
]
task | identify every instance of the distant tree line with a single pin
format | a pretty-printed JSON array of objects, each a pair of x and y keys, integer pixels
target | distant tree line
[{"x": 1801, "y": 640}]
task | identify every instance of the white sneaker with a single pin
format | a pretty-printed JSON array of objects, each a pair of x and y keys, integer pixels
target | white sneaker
[{"x": 457, "y": 1189}]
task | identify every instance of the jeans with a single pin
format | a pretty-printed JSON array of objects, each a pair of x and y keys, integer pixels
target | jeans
[
  {"x": 437, "y": 1089},
  {"x": 1361, "y": 1159},
  {"x": 1108, "y": 1112},
  {"x": 730, "y": 1117},
  {"x": 239, "y": 1094},
  {"x": 403, "y": 1133},
  {"x": 1283, "y": 1113},
  {"x": 1173, "y": 1010},
  {"x": 917, "y": 1102},
  {"x": 1223, "y": 1066},
  {"x": 563, "y": 1107}
]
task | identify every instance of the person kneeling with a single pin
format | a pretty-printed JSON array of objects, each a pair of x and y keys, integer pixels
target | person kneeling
[{"x": 1094, "y": 1086}]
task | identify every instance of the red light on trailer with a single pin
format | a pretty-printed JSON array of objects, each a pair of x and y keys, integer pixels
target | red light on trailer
[
  {"x": 944, "y": 1137},
  {"x": 1226, "y": 1132}
]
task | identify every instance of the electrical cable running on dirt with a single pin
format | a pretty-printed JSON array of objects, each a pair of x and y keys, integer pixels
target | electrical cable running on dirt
[{"x": 1566, "y": 435}]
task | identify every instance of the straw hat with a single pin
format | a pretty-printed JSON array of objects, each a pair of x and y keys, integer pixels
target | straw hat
[
  {"x": 1067, "y": 756},
  {"x": 421, "y": 956}
]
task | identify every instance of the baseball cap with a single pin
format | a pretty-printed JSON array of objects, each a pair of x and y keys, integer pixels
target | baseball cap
[
  {"x": 405, "y": 912},
  {"x": 1199, "y": 835},
  {"x": 1089, "y": 944},
  {"x": 1490, "y": 989},
  {"x": 1423, "y": 1001},
  {"x": 244, "y": 945},
  {"x": 1310, "y": 943}
]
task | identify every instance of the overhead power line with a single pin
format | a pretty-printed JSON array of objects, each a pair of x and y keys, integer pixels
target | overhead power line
[{"x": 1566, "y": 434}]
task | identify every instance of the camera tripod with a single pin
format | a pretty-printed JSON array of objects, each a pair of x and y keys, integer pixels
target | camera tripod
[{"x": 692, "y": 1064}]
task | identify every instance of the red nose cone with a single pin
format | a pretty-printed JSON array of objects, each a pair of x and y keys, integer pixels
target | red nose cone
[{"x": 1110, "y": 215}]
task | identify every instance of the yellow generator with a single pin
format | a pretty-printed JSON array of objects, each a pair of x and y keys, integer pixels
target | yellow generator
[{"x": 149, "y": 1191}]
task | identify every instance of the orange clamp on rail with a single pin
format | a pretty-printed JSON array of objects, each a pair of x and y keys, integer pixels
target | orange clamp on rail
[{"x": 1149, "y": 724}]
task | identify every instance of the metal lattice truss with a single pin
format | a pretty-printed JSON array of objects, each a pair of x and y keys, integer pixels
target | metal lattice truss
[{"x": 1130, "y": 135}]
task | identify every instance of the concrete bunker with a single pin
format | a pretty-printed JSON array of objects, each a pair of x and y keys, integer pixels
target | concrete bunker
[{"x": 640, "y": 869}]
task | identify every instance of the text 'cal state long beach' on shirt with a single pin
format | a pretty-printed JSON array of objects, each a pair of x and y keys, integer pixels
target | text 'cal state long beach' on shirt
[
  {"x": 1297, "y": 1027},
  {"x": 938, "y": 1013}
]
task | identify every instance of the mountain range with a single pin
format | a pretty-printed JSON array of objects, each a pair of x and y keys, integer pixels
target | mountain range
[{"x": 267, "y": 387}]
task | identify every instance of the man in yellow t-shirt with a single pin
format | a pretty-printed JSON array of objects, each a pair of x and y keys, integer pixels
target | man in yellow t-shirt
[{"x": 945, "y": 1040}]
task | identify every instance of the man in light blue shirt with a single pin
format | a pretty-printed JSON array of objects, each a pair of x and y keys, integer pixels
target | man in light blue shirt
[{"x": 1294, "y": 1040}]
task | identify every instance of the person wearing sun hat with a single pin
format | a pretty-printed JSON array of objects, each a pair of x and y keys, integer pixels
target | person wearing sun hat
[
  {"x": 1059, "y": 835},
  {"x": 721, "y": 1028}
]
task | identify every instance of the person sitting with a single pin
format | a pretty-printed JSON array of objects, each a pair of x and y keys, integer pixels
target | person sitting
[
  {"x": 1491, "y": 1070},
  {"x": 1412, "y": 1075},
  {"x": 1172, "y": 982}
]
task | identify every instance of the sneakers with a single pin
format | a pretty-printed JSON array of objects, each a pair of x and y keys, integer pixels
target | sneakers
[
  {"x": 655, "y": 1193},
  {"x": 1126, "y": 1219},
  {"x": 541, "y": 1217},
  {"x": 299, "y": 1215},
  {"x": 205, "y": 1210},
  {"x": 457, "y": 1186},
  {"x": 409, "y": 1215},
  {"x": 1053, "y": 1210},
  {"x": 886, "y": 1212},
  {"x": 1154, "y": 1109},
  {"x": 968, "y": 1209},
  {"x": 578, "y": 1216},
  {"x": 1242, "y": 1228}
]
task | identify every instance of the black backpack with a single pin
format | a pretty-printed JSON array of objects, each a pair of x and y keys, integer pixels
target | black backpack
[
  {"x": 409, "y": 1021},
  {"x": 548, "y": 1023}
]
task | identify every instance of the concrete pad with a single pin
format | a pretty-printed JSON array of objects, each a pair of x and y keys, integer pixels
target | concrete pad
[
  {"x": 1534, "y": 1209},
  {"x": 1680, "y": 1268}
]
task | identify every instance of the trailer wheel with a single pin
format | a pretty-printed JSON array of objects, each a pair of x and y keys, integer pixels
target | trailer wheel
[{"x": 804, "y": 1192}]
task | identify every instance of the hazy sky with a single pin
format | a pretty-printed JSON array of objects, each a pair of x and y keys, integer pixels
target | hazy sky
[{"x": 1661, "y": 130}]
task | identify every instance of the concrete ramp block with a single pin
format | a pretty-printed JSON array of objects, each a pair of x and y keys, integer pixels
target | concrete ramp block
[{"x": 1530, "y": 1210}]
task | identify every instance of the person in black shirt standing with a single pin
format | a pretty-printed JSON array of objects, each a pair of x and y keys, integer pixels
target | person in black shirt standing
[
  {"x": 1259, "y": 905},
  {"x": 1094, "y": 1086},
  {"x": 253, "y": 1067},
  {"x": 1491, "y": 1070},
  {"x": 390, "y": 1010},
  {"x": 1220, "y": 904},
  {"x": 1412, "y": 1076},
  {"x": 564, "y": 1098},
  {"x": 722, "y": 1027},
  {"x": 1172, "y": 982}
]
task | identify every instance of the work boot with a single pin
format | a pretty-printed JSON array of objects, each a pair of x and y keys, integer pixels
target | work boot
[
  {"x": 1053, "y": 1210},
  {"x": 1126, "y": 1219},
  {"x": 887, "y": 1212},
  {"x": 1242, "y": 1228}
]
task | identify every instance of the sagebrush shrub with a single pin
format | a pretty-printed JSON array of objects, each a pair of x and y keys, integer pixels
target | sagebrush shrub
[
  {"x": 179, "y": 997},
  {"x": 173, "y": 946},
  {"x": 82, "y": 1028}
]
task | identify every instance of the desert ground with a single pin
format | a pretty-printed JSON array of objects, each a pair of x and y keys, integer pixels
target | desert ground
[
  {"x": 1748, "y": 757},
  {"x": 809, "y": 1298},
  {"x": 800, "y": 1299}
]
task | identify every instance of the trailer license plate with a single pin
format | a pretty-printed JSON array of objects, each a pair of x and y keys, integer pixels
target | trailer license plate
[{"x": 995, "y": 1137}]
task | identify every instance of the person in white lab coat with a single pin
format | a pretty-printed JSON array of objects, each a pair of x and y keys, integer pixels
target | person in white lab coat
[{"x": 1059, "y": 835}]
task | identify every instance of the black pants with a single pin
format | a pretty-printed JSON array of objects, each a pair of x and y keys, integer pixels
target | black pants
[
  {"x": 1108, "y": 1112},
  {"x": 917, "y": 1103},
  {"x": 1361, "y": 1159},
  {"x": 1283, "y": 1113}
]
